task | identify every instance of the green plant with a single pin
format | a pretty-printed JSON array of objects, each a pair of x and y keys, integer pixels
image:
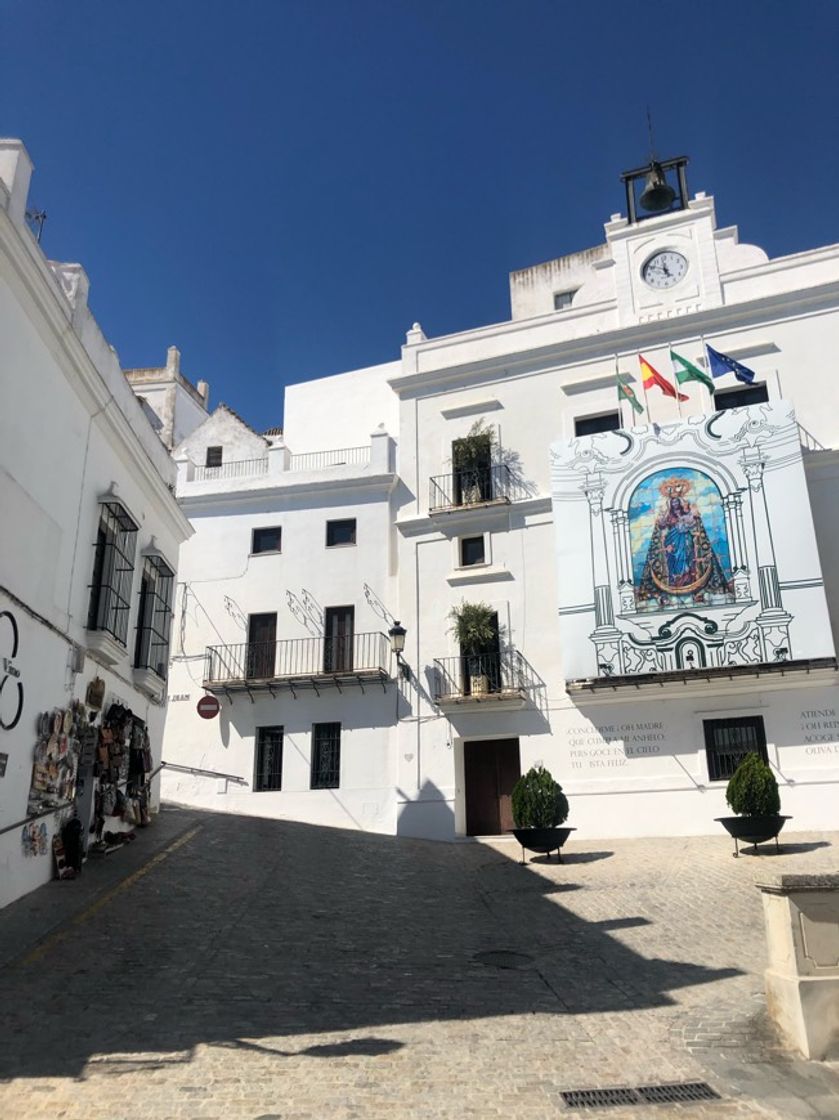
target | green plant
[
  {"x": 752, "y": 790},
  {"x": 474, "y": 450},
  {"x": 538, "y": 801},
  {"x": 474, "y": 626}
]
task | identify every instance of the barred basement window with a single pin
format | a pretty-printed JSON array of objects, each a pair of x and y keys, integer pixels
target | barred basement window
[
  {"x": 113, "y": 569},
  {"x": 151, "y": 650},
  {"x": 269, "y": 759},
  {"x": 728, "y": 741},
  {"x": 326, "y": 755}
]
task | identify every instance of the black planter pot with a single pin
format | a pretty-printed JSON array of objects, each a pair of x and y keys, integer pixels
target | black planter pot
[
  {"x": 753, "y": 830},
  {"x": 542, "y": 840}
]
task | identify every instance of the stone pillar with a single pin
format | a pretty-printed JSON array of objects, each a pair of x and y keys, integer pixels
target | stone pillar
[{"x": 802, "y": 981}]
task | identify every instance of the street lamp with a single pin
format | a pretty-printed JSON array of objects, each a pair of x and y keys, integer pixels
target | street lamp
[{"x": 397, "y": 645}]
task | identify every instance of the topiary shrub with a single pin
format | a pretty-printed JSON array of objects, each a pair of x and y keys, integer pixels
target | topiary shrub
[
  {"x": 538, "y": 801},
  {"x": 752, "y": 790}
]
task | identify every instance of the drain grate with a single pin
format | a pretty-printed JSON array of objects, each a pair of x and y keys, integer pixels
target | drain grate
[
  {"x": 504, "y": 958},
  {"x": 643, "y": 1094}
]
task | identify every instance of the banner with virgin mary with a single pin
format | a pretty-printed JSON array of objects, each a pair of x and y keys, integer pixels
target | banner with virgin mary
[{"x": 680, "y": 552}]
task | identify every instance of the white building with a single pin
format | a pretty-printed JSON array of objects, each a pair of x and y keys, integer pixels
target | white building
[
  {"x": 639, "y": 701},
  {"x": 87, "y": 556}
]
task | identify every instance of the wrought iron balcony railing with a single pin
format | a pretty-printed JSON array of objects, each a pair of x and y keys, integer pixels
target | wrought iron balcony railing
[
  {"x": 298, "y": 659},
  {"x": 483, "y": 676},
  {"x": 472, "y": 487}
]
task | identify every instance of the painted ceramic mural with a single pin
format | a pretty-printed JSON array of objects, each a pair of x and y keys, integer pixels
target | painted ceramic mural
[{"x": 678, "y": 539}]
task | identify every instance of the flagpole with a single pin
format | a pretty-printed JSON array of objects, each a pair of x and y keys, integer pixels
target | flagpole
[
  {"x": 646, "y": 401},
  {"x": 708, "y": 370},
  {"x": 618, "y": 383},
  {"x": 675, "y": 382}
]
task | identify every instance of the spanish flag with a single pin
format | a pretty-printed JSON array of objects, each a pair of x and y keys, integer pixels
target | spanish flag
[{"x": 651, "y": 377}]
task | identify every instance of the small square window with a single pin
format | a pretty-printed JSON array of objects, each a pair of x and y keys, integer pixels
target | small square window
[
  {"x": 267, "y": 540},
  {"x": 590, "y": 425},
  {"x": 340, "y": 532},
  {"x": 564, "y": 299},
  {"x": 740, "y": 398},
  {"x": 472, "y": 551},
  {"x": 728, "y": 741},
  {"x": 214, "y": 455}
]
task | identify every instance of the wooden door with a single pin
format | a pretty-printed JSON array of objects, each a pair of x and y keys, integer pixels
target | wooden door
[
  {"x": 262, "y": 646},
  {"x": 492, "y": 768},
  {"x": 339, "y": 633}
]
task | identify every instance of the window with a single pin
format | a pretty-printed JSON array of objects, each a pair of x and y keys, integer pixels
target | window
[
  {"x": 268, "y": 768},
  {"x": 739, "y": 398},
  {"x": 338, "y": 639},
  {"x": 113, "y": 570},
  {"x": 589, "y": 425},
  {"x": 340, "y": 532},
  {"x": 151, "y": 650},
  {"x": 262, "y": 646},
  {"x": 728, "y": 741},
  {"x": 214, "y": 455},
  {"x": 326, "y": 755},
  {"x": 564, "y": 299},
  {"x": 267, "y": 540},
  {"x": 472, "y": 551}
]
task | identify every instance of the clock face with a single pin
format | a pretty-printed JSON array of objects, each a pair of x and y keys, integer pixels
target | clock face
[{"x": 664, "y": 269}]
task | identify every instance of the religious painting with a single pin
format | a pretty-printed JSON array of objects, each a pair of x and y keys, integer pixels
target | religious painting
[{"x": 679, "y": 543}]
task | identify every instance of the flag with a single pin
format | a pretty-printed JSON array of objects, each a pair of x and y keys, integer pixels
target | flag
[
  {"x": 689, "y": 372},
  {"x": 721, "y": 364},
  {"x": 625, "y": 393},
  {"x": 652, "y": 377}
]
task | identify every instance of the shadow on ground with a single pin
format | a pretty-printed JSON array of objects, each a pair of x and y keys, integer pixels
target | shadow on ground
[{"x": 260, "y": 929}]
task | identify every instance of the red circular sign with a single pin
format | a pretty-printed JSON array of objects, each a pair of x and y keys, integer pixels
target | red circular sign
[{"x": 208, "y": 707}]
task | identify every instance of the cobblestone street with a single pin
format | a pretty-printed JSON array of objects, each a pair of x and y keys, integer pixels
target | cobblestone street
[{"x": 234, "y": 968}]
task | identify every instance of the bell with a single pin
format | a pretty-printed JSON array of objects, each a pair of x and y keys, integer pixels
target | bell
[{"x": 658, "y": 194}]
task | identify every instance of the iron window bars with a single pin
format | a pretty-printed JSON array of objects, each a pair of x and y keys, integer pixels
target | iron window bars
[
  {"x": 113, "y": 570},
  {"x": 269, "y": 759},
  {"x": 326, "y": 755},
  {"x": 728, "y": 741},
  {"x": 154, "y": 619}
]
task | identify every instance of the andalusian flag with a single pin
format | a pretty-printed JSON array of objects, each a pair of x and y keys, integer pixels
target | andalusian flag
[
  {"x": 625, "y": 392},
  {"x": 688, "y": 371},
  {"x": 652, "y": 378}
]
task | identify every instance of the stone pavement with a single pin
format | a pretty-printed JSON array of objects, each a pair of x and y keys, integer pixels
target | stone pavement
[{"x": 244, "y": 969}]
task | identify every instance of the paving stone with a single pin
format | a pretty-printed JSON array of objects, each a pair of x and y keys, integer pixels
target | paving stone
[{"x": 271, "y": 969}]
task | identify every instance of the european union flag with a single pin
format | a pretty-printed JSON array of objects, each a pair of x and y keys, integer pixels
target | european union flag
[{"x": 721, "y": 364}]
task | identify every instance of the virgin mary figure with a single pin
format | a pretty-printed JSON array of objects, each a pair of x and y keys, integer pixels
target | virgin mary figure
[{"x": 680, "y": 560}]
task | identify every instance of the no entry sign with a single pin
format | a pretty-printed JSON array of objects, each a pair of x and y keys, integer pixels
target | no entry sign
[{"x": 207, "y": 707}]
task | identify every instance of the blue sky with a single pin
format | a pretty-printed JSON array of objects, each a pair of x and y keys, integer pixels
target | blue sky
[{"x": 281, "y": 187}]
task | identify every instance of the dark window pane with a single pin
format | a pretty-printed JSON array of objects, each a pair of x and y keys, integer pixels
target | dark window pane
[
  {"x": 471, "y": 551},
  {"x": 151, "y": 649},
  {"x": 113, "y": 571},
  {"x": 267, "y": 540},
  {"x": 590, "y": 425},
  {"x": 564, "y": 299},
  {"x": 340, "y": 532},
  {"x": 728, "y": 741},
  {"x": 214, "y": 455},
  {"x": 269, "y": 758},
  {"x": 739, "y": 398},
  {"x": 326, "y": 755}
]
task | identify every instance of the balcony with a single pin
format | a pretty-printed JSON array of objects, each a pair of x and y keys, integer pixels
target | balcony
[
  {"x": 338, "y": 457},
  {"x": 474, "y": 487},
  {"x": 236, "y": 468},
  {"x": 298, "y": 663},
  {"x": 496, "y": 680}
]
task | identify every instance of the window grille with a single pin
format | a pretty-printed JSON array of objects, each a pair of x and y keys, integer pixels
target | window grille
[
  {"x": 113, "y": 570},
  {"x": 326, "y": 755},
  {"x": 267, "y": 540},
  {"x": 340, "y": 532},
  {"x": 154, "y": 618},
  {"x": 213, "y": 457},
  {"x": 269, "y": 759},
  {"x": 728, "y": 741}
]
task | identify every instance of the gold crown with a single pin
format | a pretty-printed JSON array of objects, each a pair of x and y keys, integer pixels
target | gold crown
[{"x": 674, "y": 487}]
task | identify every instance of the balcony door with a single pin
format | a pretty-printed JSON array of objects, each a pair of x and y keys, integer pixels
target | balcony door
[
  {"x": 481, "y": 668},
  {"x": 472, "y": 474},
  {"x": 492, "y": 768},
  {"x": 339, "y": 632},
  {"x": 262, "y": 646}
]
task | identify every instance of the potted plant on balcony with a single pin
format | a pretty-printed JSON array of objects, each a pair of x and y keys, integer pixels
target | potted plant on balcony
[
  {"x": 753, "y": 794},
  {"x": 472, "y": 463},
  {"x": 474, "y": 626},
  {"x": 539, "y": 808}
]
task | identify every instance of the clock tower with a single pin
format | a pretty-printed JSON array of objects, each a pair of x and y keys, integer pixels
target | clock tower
[{"x": 663, "y": 253}]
